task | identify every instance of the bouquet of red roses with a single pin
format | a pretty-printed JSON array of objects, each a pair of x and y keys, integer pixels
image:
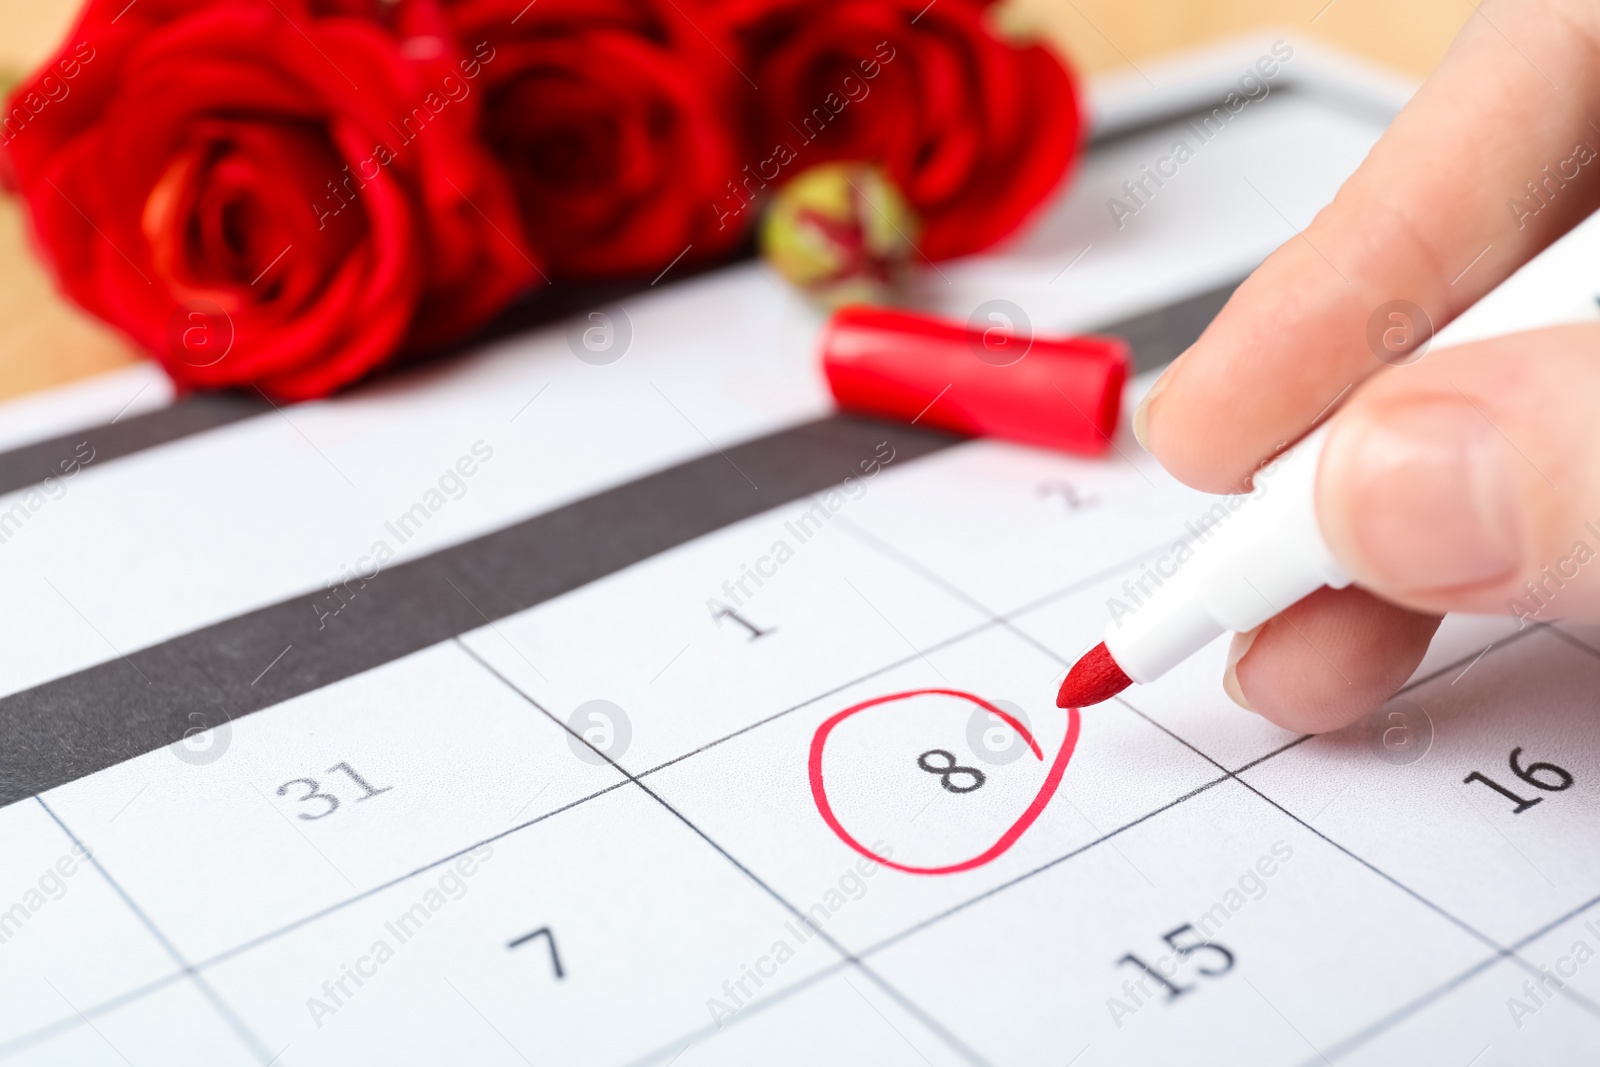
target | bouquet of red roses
[{"x": 290, "y": 193}]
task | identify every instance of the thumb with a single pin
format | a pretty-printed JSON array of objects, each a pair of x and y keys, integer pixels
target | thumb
[{"x": 1470, "y": 481}]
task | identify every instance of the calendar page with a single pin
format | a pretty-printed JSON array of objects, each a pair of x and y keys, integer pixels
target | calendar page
[{"x": 602, "y": 697}]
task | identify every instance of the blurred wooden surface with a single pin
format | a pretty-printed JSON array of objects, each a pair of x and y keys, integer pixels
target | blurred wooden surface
[{"x": 45, "y": 341}]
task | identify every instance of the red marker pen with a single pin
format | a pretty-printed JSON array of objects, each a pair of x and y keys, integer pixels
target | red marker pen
[{"x": 1269, "y": 555}]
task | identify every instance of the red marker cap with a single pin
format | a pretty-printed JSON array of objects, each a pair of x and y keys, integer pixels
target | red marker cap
[{"x": 998, "y": 381}]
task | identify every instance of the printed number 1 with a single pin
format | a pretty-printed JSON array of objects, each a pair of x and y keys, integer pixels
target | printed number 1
[
  {"x": 1173, "y": 991},
  {"x": 1184, "y": 951},
  {"x": 355, "y": 776},
  {"x": 721, "y": 612}
]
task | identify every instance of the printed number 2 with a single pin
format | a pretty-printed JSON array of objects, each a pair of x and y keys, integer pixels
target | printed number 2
[{"x": 313, "y": 791}]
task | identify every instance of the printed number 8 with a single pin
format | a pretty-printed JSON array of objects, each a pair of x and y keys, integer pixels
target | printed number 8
[{"x": 951, "y": 770}]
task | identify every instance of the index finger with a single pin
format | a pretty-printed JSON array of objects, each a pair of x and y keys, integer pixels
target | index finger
[{"x": 1491, "y": 161}]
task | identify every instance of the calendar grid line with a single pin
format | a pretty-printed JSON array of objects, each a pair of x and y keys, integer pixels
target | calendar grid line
[
  {"x": 33, "y": 1037},
  {"x": 1405, "y": 1011},
  {"x": 1576, "y": 642},
  {"x": 905, "y": 1002},
  {"x": 288, "y": 928},
  {"x": 29, "y": 1039},
  {"x": 997, "y": 620},
  {"x": 1349, "y": 1044},
  {"x": 221, "y": 1007},
  {"x": 595, "y": 795},
  {"x": 933, "y": 920},
  {"x": 1417, "y": 683},
  {"x": 994, "y": 621},
  {"x": 919, "y": 927},
  {"x": 1584, "y": 1002},
  {"x": 954, "y": 639},
  {"x": 683, "y": 1041},
  {"x": 945, "y": 1034},
  {"x": 1302, "y": 739},
  {"x": 911, "y": 563},
  {"x": 885, "y": 943},
  {"x": 1500, "y": 952},
  {"x": 1006, "y": 622},
  {"x": 94, "y": 1011},
  {"x": 1461, "y": 923}
]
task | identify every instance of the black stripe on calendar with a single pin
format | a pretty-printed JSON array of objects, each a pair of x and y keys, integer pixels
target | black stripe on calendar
[
  {"x": 84, "y": 722},
  {"x": 32, "y": 463},
  {"x": 1156, "y": 337},
  {"x": 145, "y": 700}
]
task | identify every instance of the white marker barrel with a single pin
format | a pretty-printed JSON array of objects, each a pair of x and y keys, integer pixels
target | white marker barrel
[{"x": 1268, "y": 555}]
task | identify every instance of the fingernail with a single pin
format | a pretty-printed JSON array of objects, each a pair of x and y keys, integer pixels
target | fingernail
[
  {"x": 1230, "y": 674},
  {"x": 1141, "y": 414},
  {"x": 1429, "y": 496}
]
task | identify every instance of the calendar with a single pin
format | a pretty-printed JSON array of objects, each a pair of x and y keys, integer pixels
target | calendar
[{"x": 601, "y": 696}]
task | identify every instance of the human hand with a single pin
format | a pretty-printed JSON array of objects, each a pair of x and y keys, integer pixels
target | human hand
[{"x": 1448, "y": 483}]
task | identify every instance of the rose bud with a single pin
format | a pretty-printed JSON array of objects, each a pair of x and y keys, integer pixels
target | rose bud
[
  {"x": 842, "y": 233},
  {"x": 975, "y": 131}
]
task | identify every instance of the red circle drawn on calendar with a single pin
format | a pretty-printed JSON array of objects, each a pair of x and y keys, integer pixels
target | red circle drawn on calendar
[{"x": 819, "y": 790}]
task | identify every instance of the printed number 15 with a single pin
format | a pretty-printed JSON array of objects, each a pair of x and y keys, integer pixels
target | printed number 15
[{"x": 1184, "y": 951}]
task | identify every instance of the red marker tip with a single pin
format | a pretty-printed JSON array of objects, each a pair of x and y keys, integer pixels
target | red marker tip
[{"x": 1094, "y": 678}]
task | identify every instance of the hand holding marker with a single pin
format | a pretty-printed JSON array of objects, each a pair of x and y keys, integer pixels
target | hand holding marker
[
  {"x": 1269, "y": 556},
  {"x": 1469, "y": 481},
  {"x": 1466, "y": 481}
]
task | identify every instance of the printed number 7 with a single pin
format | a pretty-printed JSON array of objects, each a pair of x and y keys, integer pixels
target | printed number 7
[{"x": 1199, "y": 945}]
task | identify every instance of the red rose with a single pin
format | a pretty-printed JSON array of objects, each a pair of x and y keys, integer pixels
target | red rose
[
  {"x": 976, "y": 132},
  {"x": 262, "y": 194},
  {"x": 612, "y": 118}
]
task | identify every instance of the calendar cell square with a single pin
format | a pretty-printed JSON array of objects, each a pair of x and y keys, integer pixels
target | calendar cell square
[
  {"x": 1219, "y": 932},
  {"x": 296, "y": 808},
  {"x": 698, "y": 644},
  {"x": 1487, "y": 813},
  {"x": 884, "y": 772},
  {"x": 67, "y": 941},
  {"x": 592, "y": 938}
]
